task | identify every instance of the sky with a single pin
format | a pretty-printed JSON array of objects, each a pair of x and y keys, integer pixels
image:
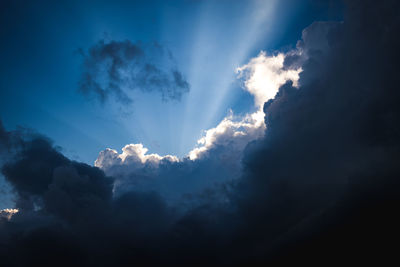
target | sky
[
  {"x": 208, "y": 40},
  {"x": 199, "y": 133}
]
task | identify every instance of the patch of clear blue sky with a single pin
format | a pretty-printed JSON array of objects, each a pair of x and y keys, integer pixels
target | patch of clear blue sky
[{"x": 40, "y": 68}]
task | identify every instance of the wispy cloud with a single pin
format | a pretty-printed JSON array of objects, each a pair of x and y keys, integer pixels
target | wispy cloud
[{"x": 115, "y": 69}]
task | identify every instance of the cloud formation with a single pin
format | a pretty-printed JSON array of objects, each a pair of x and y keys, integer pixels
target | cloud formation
[
  {"x": 222, "y": 145},
  {"x": 320, "y": 187},
  {"x": 132, "y": 154},
  {"x": 117, "y": 68},
  {"x": 265, "y": 74}
]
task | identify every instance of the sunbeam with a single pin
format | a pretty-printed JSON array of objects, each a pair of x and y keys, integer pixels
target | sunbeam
[{"x": 212, "y": 74}]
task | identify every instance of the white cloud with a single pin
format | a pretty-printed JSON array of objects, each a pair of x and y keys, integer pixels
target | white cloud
[
  {"x": 132, "y": 154},
  {"x": 263, "y": 76},
  {"x": 232, "y": 131}
]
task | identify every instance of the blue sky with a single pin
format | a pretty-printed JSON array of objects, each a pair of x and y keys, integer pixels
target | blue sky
[{"x": 41, "y": 67}]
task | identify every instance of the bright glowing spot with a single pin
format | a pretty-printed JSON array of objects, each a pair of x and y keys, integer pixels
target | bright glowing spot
[
  {"x": 8, "y": 213},
  {"x": 264, "y": 75}
]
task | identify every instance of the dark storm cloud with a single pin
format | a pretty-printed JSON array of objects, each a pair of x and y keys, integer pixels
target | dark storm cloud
[
  {"x": 327, "y": 170},
  {"x": 116, "y": 68},
  {"x": 66, "y": 211},
  {"x": 321, "y": 187}
]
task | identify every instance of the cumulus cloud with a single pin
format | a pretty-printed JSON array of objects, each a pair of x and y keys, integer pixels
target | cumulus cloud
[
  {"x": 263, "y": 76},
  {"x": 132, "y": 154},
  {"x": 117, "y": 68},
  {"x": 233, "y": 133}
]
